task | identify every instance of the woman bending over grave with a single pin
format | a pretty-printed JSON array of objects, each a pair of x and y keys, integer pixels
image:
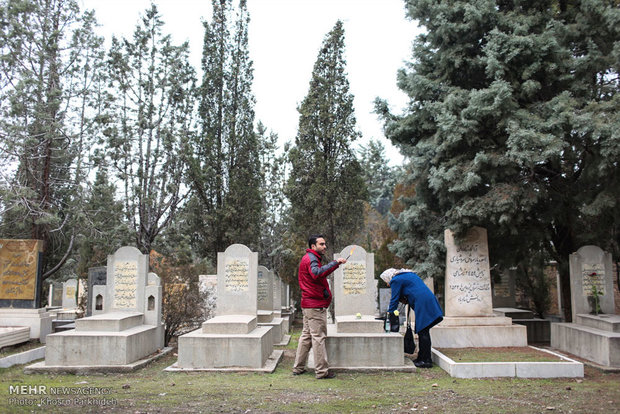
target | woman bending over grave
[{"x": 407, "y": 287}]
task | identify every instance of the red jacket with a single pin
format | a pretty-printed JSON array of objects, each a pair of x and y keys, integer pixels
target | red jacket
[{"x": 313, "y": 280}]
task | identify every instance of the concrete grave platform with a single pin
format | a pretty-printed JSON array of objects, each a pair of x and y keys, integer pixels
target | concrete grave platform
[
  {"x": 13, "y": 335},
  {"x": 566, "y": 368},
  {"x": 100, "y": 348},
  {"x": 230, "y": 324},
  {"x": 366, "y": 351},
  {"x": 277, "y": 331},
  {"x": 478, "y": 332},
  {"x": 225, "y": 351},
  {"x": 39, "y": 320},
  {"x": 268, "y": 368},
  {"x": 538, "y": 330},
  {"x": 595, "y": 338},
  {"x": 40, "y": 367},
  {"x": 351, "y": 324},
  {"x": 23, "y": 357}
]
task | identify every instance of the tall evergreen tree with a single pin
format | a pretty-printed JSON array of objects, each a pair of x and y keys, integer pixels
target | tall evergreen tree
[
  {"x": 153, "y": 81},
  {"x": 50, "y": 75},
  {"x": 512, "y": 125},
  {"x": 326, "y": 188},
  {"x": 224, "y": 155}
]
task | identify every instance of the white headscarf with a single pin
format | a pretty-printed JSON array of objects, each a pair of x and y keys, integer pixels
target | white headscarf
[{"x": 388, "y": 274}]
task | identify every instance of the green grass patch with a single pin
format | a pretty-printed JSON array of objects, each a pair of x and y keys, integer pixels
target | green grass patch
[
  {"x": 504, "y": 354},
  {"x": 153, "y": 390}
]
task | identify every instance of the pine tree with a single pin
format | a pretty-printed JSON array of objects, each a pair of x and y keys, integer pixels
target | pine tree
[
  {"x": 512, "y": 126},
  {"x": 50, "y": 69},
  {"x": 153, "y": 82},
  {"x": 326, "y": 188},
  {"x": 224, "y": 155}
]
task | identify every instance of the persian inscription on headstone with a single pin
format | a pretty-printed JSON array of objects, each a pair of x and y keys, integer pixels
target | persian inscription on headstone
[
  {"x": 263, "y": 286},
  {"x": 593, "y": 276},
  {"x": 18, "y": 268},
  {"x": 354, "y": 278},
  {"x": 237, "y": 273},
  {"x": 468, "y": 277},
  {"x": 125, "y": 284}
]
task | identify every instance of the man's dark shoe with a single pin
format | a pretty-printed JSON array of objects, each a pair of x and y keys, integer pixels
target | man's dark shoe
[
  {"x": 329, "y": 375},
  {"x": 299, "y": 373},
  {"x": 423, "y": 364}
]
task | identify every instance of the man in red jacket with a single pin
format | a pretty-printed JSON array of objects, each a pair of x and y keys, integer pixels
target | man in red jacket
[{"x": 315, "y": 299}]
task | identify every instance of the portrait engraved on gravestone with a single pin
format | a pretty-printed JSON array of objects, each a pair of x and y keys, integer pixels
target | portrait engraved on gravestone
[
  {"x": 125, "y": 284},
  {"x": 237, "y": 273}
]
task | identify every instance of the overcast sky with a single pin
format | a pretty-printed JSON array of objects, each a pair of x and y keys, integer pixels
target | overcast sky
[{"x": 285, "y": 37}]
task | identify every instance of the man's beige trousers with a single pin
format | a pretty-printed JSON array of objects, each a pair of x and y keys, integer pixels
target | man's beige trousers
[{"x": 313, "y": 336}]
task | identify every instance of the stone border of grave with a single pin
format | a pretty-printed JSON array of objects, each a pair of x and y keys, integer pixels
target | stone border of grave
[
  {"x": 40, "y": 367},
  {"x": 270, "y": 366},
  {"x": 23, "y": 357},
  {"x": 568, "y": 368}
]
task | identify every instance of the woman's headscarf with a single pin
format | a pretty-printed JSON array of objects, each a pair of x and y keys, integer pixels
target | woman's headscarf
[{"x": 388, "y": 274}]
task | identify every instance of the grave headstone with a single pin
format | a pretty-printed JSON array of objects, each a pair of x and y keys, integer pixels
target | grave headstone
[
  {"x": 97, "y": 276},
  {"x": 355, "y": 286},
  {"x": 277, "y": 294},
  {"x": 55, "y": 294},
  {"x": 264, "y": 289},
  {"x": 592, "y": 336},
  {"x": 232, "y": 340},
  {"x": 21, "y": 301},
  {"x": 470, "y": 320},
  {"x": 591, "y": 268},
  {"x": 69, "y": 294},
  {"x": 126, "y": 325},
  {"x": 468, "y": 276},
  {"x": 127, "y": 272},
  {"x": 504, "y": 290},
  {"x": 236, "y": 289},
  {"x": 20, "y": 273}
]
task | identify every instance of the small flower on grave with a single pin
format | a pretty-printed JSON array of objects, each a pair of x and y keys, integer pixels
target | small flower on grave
[
  {"x": 358, "y": 315},
  {"x": 396, "y": 312}
]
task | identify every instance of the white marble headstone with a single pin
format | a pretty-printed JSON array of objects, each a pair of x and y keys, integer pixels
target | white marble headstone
[
  {"x": 69, "y": 294},
  {"x": 355, "y": 286},
  {"x": 127, "y": 272},
  {"x": 265, "y": 289},
  {"x": 591, "y": 267},
  {"x": 237, "y": 275},
  {"x": 468, "y": 276}
]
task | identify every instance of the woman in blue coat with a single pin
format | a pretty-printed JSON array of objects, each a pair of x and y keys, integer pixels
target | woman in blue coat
[{"x": 407, "y": 286}]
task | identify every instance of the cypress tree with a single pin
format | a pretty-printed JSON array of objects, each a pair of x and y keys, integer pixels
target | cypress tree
[
  {"x": 326, "y": 188},
  {"x": 224, "y": 155}
]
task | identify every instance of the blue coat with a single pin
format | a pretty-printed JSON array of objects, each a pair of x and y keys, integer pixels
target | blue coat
[{"x": 422, "y": 301}]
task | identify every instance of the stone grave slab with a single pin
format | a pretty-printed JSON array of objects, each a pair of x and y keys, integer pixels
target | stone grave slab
[
  {"x": 469, "y": 320},
  {"x": 595, "y": 337},
  {"x": 125, "y": 330},
  {"x": 20, "y": 287},
  {"x": 232, "y": 340}
]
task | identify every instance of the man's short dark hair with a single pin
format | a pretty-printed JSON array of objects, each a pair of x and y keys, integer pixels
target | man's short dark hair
[{"x": 312, "y": 239}]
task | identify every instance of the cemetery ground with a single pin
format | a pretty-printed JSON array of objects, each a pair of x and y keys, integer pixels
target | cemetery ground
[{"x": 151, "y": 390}]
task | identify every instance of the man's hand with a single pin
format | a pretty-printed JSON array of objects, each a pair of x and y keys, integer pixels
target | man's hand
[{"x": 341, "y": 260}]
